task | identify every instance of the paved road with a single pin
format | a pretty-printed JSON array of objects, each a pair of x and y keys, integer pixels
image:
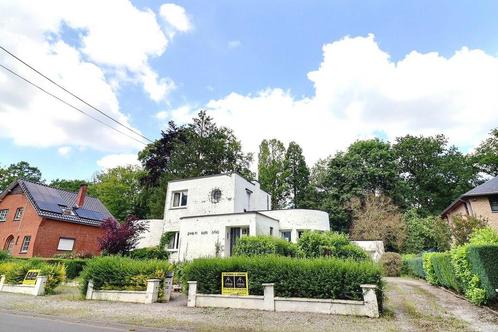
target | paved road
[{"x": 23, "y": 323}]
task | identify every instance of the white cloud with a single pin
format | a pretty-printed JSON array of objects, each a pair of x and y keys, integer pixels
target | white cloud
[
  {"x": 360, "y": 91},
  {"x": 64, "y": 151},
  {"x": 112, "y": 44},
  {"x": 234, "y": 43},
  {"x": 114, "y": 160},
  {"x": 176, "y": 17}
]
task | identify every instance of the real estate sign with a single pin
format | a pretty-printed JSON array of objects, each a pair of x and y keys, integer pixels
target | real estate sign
[
  {"x": 234, "y": 283},
  {"x": 30, "y": 278}
]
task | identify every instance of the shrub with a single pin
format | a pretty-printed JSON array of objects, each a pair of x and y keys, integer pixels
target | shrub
[
  {"x": 463, "y": 270},
  {"x": 16, "y": 271},
  {"x": 121, "y": 238},
  {"x": 486, "y": 235},
  {"x": 429, "y": 233},
  {"x": 122, "y": 273},
  {"x": 314, "y": 244},
  {"x": 311, "y": 278},
  {"x": 4, "y": 255},
  {"x": 149, "y": 253},
  {"x": 73, "y": 266},
  {"x": 414, "y": 266},
  {"x": 444, "y": 271},
  {"x": 391, "y": 263},
  {"x": 430, "y": 275},
  {"x": 264, "y": 245},
  {"x": 463, "y": 226},
  {"x": 484, "y": 262}
]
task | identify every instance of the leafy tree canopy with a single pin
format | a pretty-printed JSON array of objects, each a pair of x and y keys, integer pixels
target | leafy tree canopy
[
  {"x": 68, "y": 185},
  {"x": 16, "y": 171},
  {"x": 486, "y": 155},
  {"x": 297, "y": 175},
  {"x": 271, "y": 171}
]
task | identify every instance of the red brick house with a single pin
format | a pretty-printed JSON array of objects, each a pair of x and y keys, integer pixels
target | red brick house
[{"x": 38, "y": 220}]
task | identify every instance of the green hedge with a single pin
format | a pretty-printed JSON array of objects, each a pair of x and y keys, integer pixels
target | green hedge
[
  {"x": 149, "y": 253},
  {"x": 310, "y": 278},
  {"x": 122, "y": 273},
  {"x": 413, "y": 266},
  {"x": 16, "y": 270},
  {"x": 4, "y": 255},
  {"x": 331, "y": 244},
  {"x": 264, "y": 245},
  {"x": 444, "y": 271},
  {"x": 484, "y": 262}
]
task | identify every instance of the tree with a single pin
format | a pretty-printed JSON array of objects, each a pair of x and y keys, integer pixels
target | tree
[
  {"x": 120, "y": 239},
  {"x": 297, "y": 175},
  {"x": 271, "y": 171},
  {"x": 119, "y": 190},
  {"x": 462, "y": 227},
  {"x": 68, "y": 185},
  {"x": 430, "y": 233},
  {"x": 486, "y": 155},
  {"x": 377, "y": 218},
  {"x": 20, "y": 170}
]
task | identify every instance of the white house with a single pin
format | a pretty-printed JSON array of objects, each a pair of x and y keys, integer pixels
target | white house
[{"x": 206, "y": 215}]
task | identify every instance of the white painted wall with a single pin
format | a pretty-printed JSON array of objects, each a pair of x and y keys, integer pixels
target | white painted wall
[{"x": 152, "y": 236}]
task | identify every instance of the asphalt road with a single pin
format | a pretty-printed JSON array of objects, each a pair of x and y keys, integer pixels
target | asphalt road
[{"x": 25, "y": 323}]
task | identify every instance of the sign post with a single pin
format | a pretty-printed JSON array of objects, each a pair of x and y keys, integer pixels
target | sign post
[
  {"x": 30, "y": 278},
  {"x": 234, "y": 283}
]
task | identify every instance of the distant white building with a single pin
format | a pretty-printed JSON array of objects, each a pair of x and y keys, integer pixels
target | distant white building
[{"x": 206, "y": 215}]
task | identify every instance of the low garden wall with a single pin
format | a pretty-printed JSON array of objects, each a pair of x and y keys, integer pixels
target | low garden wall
[
  {"x": 369, "y": 307},
  {"x": 150, "y": 295},
  {"x": 38, "y": 289}
]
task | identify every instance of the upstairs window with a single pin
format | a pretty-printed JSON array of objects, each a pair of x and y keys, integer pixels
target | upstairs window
[
  {"x": 493, "y": 201},
  {"x": 3, "y": 215},
  {"x": 18, "y": 214},
  {"x": 25, "y": 244},
  {"x": 179, "y": 199}
]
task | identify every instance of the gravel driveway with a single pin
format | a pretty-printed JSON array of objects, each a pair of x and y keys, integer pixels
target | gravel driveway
[{"x": 411, "y": 305}]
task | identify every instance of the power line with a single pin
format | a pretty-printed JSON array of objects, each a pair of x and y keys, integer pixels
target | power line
[
  {"x": 74, "y": 95},
  {"x": 68, "y": 104}
]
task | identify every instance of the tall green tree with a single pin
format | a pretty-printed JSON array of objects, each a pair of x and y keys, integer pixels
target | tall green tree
[
  {"x": 297, "y": 175},
  {"x": 271, "y": 171},
  {"x": 20, "y": 170},
  {"x": 486, "y": 155},
  {"x": 68, "y": 185}
]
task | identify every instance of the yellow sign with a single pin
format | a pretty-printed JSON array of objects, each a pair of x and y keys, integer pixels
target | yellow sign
[
  {"x": 234, "y": 283},
  {"x": 30, "y": 278}
]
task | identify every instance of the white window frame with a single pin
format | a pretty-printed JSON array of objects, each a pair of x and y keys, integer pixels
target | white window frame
[
  {"x": 65, "y": 240},
  {"x": 3, "y": 215},
  {"x": 19, "y": 213},
  {"x": 181, "y": 193},
  {"x": 25, "y": 243},
  {"x": 176, "y": 242}
]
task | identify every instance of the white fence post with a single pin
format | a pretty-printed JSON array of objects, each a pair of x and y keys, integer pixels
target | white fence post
[
  {"x": 370, "y": 301},
  {"x": 269, "y": 297},
  {"x": 2, "y": 281},
  {"x": 152, "y": 292},
  {"x": 39, "y": 289},
  {"x": 89, "y": 290},
  {"x": 168, "y": 287},
  {"x": 192, "y": 293}
]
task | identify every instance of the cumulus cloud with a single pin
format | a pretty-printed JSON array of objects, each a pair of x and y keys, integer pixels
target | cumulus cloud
[
  {"x": 115, "y": 160},
  {"x": 359, "y": 91},
  {"x": 176, "y": 17},
  {"x": 111, "y": 45}
]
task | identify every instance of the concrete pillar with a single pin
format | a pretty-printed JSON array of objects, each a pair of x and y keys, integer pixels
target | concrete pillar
[
  {"x": 152, "y": 292},
  {"x": 370, "y": 301},
  {"x": 192, "y": 293},
  {"x": 269, "y": 297},
  {"x": 39, "y": 289},
  {"x": 168, "y": 287},
  {"x": 89, "y": 290},
  {"x": 2, "y": 281}
]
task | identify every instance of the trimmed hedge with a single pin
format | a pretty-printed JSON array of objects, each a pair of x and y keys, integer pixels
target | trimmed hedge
[
  {"x": 444, "y": 272},
  {"x": 314, "y": 244},
  {"x": 309, "y": 278},
  {"x": 149, "y": 253},
  {"x": 123, "y": 273},
  {"x": 484, "y": 262},
  {"x": 413, "y": 266},
  {"x": 15, "y": 271},
  {"x": 264, "y": 245}
]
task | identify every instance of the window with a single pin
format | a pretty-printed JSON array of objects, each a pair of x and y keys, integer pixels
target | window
[
  {"x": 244, "y": 231},
  {"x": 65, "y": 244},
  {"x": 286, "y": 235},
  {"x": 18, "y": 214},
  {"x": 25, "y": 244},
  {"x": 174, "y": 241},
  {"x": 3, "y": 214},
  {"x": 493, "y": 201},
  {"x": 216, "y": 195},
  {"x": 271, "y": 230},
  {"x": 179, "y": 199},
  {"x": 299, "y": 234}
]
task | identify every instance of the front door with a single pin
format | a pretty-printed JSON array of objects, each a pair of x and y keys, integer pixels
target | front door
[
  {"x": 234, "y": 236},
  {"x": 9, "y": 244}
]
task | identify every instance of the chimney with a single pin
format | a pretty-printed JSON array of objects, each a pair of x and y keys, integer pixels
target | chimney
[{"x": 80, "y": 200}]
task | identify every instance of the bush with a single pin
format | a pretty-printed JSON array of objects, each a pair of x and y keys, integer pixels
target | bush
[
  {"x": 149, "y": 253},
  {"x": 430, "y": 275},
  {"x": 429, "y": 233},
  {"x": 463, "y": 270},
  {"x": 73, "y": 266},
  {"x": 122, "y": 273},
  {"x": 484, "y": 262},
  {"x": 314, "y": 244},
  {"x": 391, "y": 263},
  {"x": 444, "y": 272},
  {"x": 414, "y": 266},
  {"x": 4, "y": 255},
  {"x": 311, "y": 278},
  {"x": 486, "y": 235},
  {"x": 264, "y": 245},
  {"x": 16, "y": 271},
  {"x": 463, "y": 226}
]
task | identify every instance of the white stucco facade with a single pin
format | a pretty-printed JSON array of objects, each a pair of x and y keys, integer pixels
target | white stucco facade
[{"x": 206, "y": 215}]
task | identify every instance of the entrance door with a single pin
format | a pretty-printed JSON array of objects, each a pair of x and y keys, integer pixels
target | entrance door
[
  {"x": 234, "y": 236},
  {"x": 9, "y": 244}
]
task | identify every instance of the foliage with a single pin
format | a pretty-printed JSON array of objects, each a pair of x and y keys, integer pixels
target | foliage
[
  {"x": 429, "y": 233},
  {"x": 313, "y": 244},
  {"x": 444, "y": 272},
  {"x": 271, "y": 171},
  {"x": 264, "y": 245},
  {"x": 486, "y": 235},
  {"x": 486, "y": 155},
  {"x": 413, "y": 266},
  {"x": 463, "y": 270},
  {"x": 165, "y": 238},
  {"x": 430, "y": 274},
  {"x": 297, "y": 175},
  {"x": 391, "y": 263},
  {"x": 15, "y": 271},
  {"x": 311, "y": 278},
  {"x": 377, "y": 218},
  {"x": 149, "y": 253},
  {"x": 73, "y": 266},
  {"x": 484, "y": 261},
  {"x": 121, "y": 238},
  {"x": 20, "y": 170},
  {"x": 463, "y": 226},
  {"x": 4, "y": 255},
  {"x": 122, "y": 273},
  {"x": 68, "y": 185}
]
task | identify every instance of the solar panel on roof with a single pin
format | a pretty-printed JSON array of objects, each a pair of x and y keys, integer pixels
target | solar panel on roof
[
  {"x": 49, "y": 206},
  {"x": 89, "y": 214},
  {"x": 44, "y": 194}
]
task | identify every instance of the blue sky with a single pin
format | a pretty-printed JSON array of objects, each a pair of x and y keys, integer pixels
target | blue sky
[{"x": 260, "y": 53}]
